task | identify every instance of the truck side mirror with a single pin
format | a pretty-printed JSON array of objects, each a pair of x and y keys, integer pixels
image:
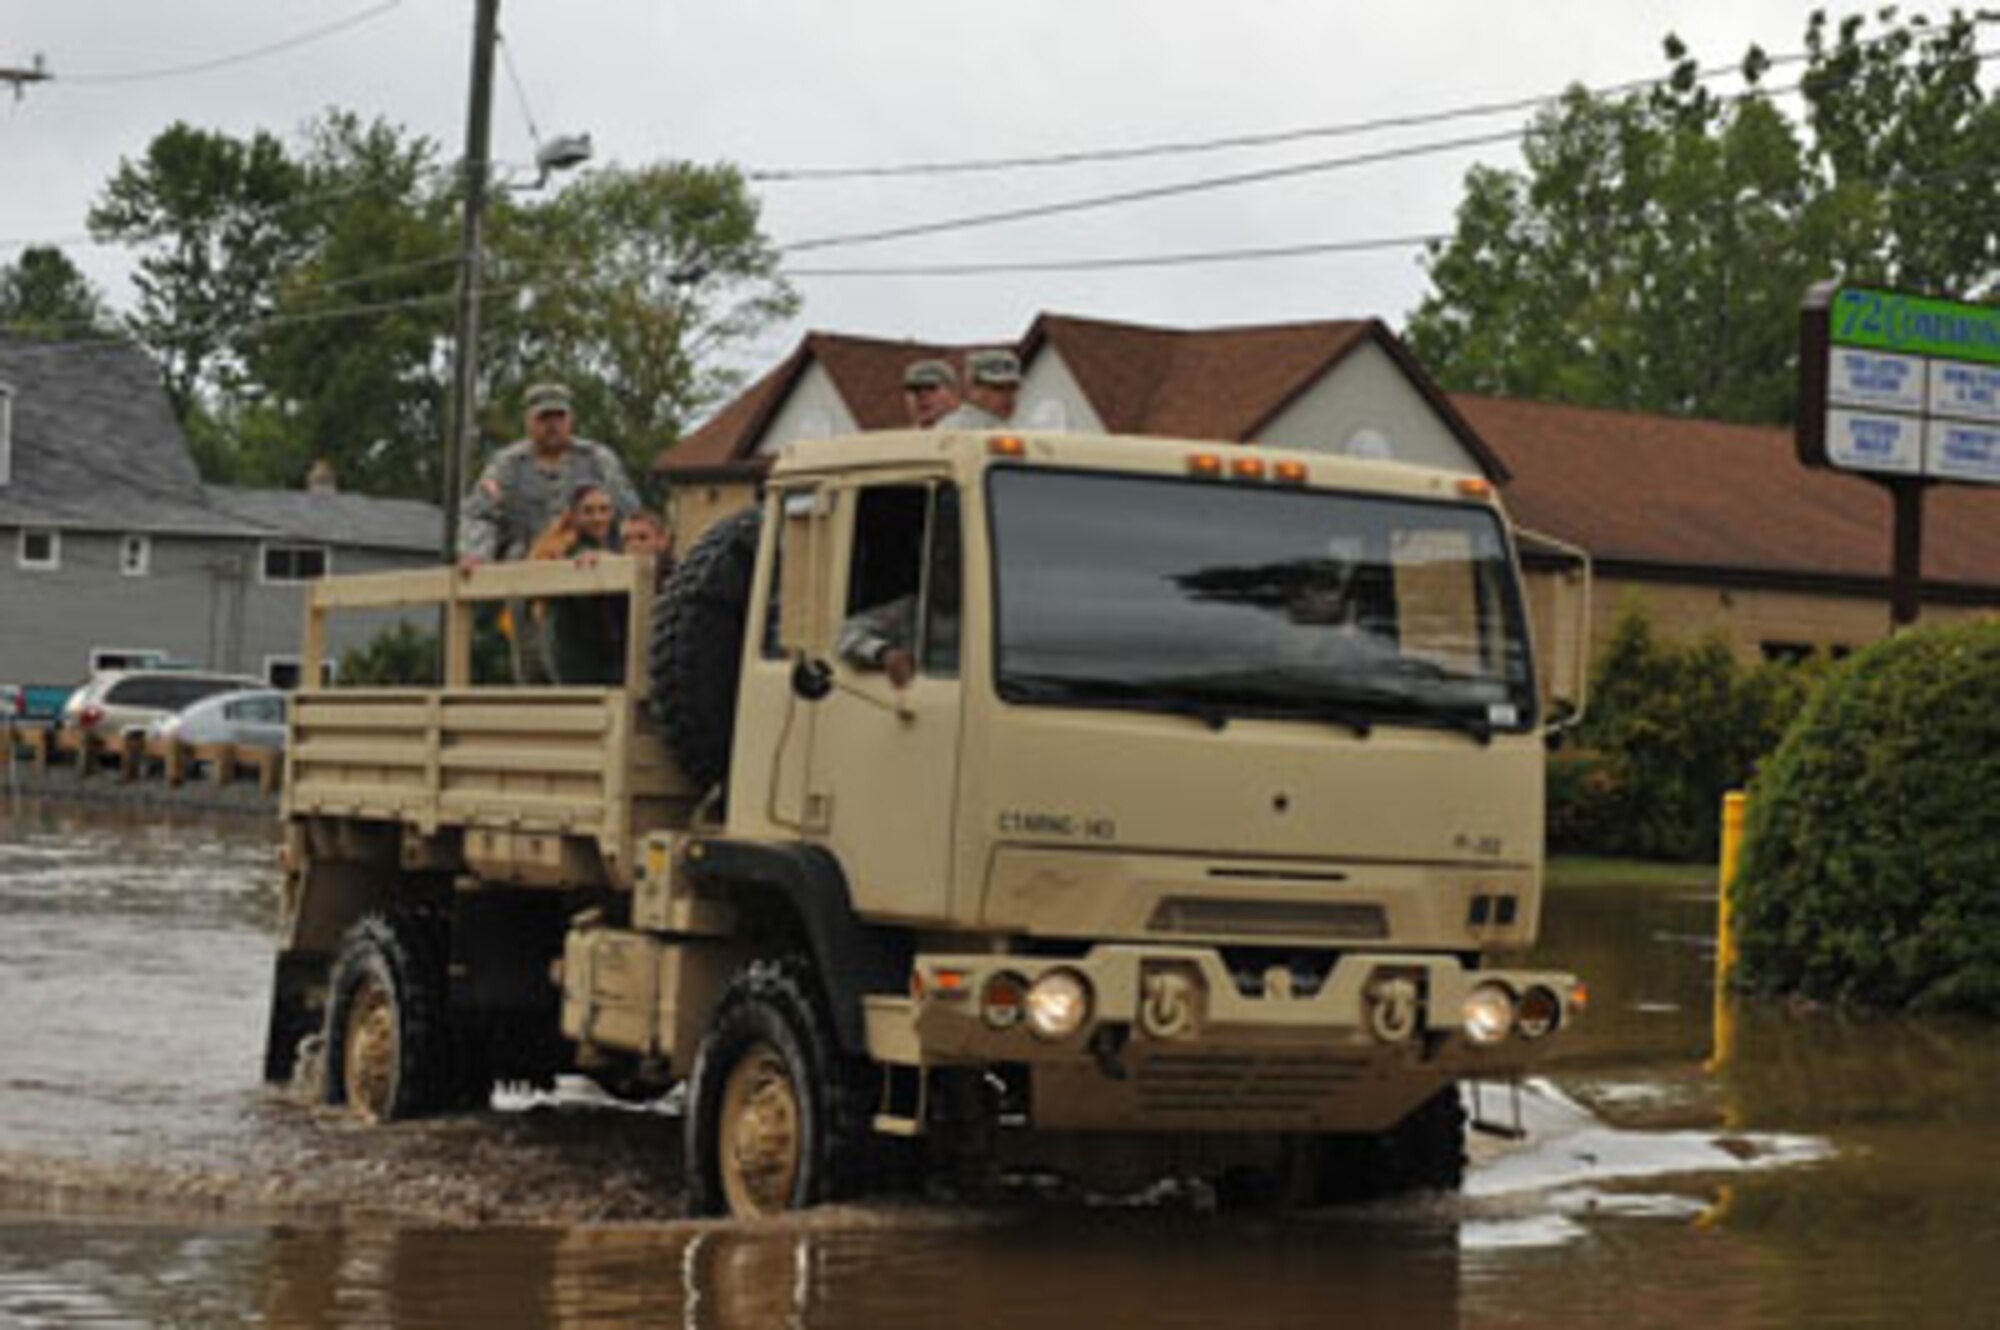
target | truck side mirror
[
  {"x": 1565, "y": 653},
  {"x": 811, "y": 679}
]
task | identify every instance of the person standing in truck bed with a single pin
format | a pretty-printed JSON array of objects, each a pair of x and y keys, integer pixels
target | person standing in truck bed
[
  {"x": 993, "y": 383},
  {"x": 524, "y": 488}
]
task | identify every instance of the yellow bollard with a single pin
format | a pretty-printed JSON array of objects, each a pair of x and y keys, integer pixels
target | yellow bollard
[{"x": 1733, "y": 805}]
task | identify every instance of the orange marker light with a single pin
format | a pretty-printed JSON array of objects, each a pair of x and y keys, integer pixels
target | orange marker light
[
  {"x": 1247, "y": 468},
  {"x": 1289, "y": 473},
  {"x": 1205, "y": 464},
  {"x": 1474, "y": 487},
  {"x": 1006, "y": 445}
]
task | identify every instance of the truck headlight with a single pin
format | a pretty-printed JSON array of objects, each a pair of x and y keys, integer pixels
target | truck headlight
[
  {"x": 1488, "y": 1014},
  {"x": 1002, "y": 1000},
  {"x": 1539, "y": 1014},
  {"x": 1058, "y": 1004}
]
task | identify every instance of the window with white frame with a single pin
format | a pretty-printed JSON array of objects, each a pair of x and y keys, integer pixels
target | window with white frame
[
  {"x": 39, "y": 550},
  {"x": 295, "y": 563},
  {"x": 135, "y": 555}
]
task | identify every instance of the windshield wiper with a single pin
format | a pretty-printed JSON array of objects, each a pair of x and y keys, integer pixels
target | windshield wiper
[{"x": 1120, "y": 694}]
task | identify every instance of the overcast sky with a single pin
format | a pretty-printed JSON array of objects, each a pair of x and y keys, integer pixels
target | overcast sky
[{"x": 774, "y": 84}]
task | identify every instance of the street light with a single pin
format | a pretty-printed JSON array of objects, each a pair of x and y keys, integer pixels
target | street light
[{"x": 564, "y": 152}]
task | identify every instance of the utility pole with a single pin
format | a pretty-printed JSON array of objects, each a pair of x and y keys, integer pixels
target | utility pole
[
  {"x": 462, "y": 438},
  {"x": 22, "y": 77}
]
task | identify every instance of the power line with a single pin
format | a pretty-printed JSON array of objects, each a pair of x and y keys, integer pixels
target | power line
[
  {"x": 1147, "y": 194},
  {"x": 1106, "y": 263},
  {"x": 307, "y": 37},
  {"x": 1271, "y": 138},
  {"x": 1207, "y": 184}
]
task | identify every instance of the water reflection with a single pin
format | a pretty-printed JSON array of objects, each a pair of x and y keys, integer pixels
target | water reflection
[{"x": 1048, "y": 1269}]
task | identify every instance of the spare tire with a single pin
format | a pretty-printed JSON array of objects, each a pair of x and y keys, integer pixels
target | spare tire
[{"x": 697, "y": 649}]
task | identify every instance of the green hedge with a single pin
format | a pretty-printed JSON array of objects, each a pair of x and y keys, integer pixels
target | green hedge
[
  {"x": 1871, "y": 867},
  {"x": 1671, "y": 726}
]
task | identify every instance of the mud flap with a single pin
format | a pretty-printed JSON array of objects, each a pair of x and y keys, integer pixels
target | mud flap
[{"x": 298, "y": 1008}]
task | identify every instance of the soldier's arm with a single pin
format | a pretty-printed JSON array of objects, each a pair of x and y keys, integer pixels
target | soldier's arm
[
  {"x": 479, "y": 517},
  {"x": 867, "y": 638}
]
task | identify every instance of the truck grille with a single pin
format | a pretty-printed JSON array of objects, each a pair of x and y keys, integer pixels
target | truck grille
[
  {"x": 1208, "y": 917},
  {"x": 1183, "y": 1083}
]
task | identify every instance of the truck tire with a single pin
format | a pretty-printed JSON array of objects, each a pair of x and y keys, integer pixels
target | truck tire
[
  {"x": 388, "y": 1040},
  {"x": 697, "y": 649},
  {"x": 777, "y": 1117},
  {"x": 1423, "y": 1152}
]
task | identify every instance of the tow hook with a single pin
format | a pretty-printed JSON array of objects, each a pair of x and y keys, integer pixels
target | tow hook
[{"x": 1392, "y": 1009}]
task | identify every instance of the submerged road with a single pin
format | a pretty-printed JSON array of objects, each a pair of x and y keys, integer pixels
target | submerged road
[{"x": 1838, "y": 1172}]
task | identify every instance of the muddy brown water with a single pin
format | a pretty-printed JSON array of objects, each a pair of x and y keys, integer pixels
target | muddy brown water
[{"x": 1834, "y": 1172}]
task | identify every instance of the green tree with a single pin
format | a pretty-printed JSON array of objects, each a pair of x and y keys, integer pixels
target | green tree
[
  {"x": 1671, "y": 727},
  {"x": 215, "y": 220},
  {"x": 1651, "y": 253},
  {"x": 348, "y": 368},
  {"x": 634, "y": 285},
  {"x": 42, "y": 294}
]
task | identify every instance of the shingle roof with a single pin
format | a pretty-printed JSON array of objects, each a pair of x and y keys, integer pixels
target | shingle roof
[
  {"x": 94, "y": 443},
  {"x": 1640, "y": 490},
  {"x": 867, "y": 372},
  {"x": 356, "y": 520},
  {"x": 1222, "y": 383},
  {"x": 1205, "y": 383},
  {"x": 1701, "y": 495}
]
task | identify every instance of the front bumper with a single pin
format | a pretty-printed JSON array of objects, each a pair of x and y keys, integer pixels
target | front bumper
[{"x": 1174, "y": 1040}]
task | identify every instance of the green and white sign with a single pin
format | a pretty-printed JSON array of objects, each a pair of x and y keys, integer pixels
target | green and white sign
[{"x": 1893, "y": 384}]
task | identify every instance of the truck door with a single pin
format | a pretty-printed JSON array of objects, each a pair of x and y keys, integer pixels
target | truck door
[{"x": 882, "y": 771}]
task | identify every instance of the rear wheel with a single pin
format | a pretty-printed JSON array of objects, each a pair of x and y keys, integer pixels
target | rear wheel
[
  {"x": 777, "y": 1115},
  {"x": 388, "y": 1043}
]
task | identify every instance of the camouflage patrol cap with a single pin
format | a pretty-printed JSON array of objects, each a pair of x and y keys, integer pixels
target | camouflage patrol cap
[
  {"x": 929, "y": 374},
  {"x": 544, "y": 398},
  {"x": 996, "y": 367}
]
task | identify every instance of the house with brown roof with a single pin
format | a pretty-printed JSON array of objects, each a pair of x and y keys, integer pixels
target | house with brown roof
[
  {"x": 1713, "y": 528},
  {"x": 1345, "y": 386}
]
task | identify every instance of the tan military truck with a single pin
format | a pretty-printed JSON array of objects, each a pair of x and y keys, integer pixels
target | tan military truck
[{"x": 1107, "y": 806}]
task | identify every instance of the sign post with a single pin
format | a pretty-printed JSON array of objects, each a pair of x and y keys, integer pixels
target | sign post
[{"x": 1903, "y": 390}]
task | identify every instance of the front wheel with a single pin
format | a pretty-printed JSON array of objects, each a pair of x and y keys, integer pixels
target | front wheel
[
  {"x": 1423, "y": 1152},
  {"x": 776, "y": 1114}
]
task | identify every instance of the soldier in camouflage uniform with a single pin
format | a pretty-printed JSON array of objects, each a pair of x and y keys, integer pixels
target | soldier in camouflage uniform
[
  {"x": 524, "y": 487},
  {"x": 930, "y": 389},
  {"x": 993, "y": 381}
]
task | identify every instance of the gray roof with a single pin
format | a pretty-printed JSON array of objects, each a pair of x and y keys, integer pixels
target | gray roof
[
  {"x": 95, "y": 443},
  {"x": 333, "y": 518},
  {"x": 96, "y": 446}
]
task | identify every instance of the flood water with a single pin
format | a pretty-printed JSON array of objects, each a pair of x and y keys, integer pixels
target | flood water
[{"x": 1832, "y": 1172}]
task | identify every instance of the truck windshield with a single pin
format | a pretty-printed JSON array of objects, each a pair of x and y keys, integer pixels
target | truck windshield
[{"x": 1222, "y": 601}]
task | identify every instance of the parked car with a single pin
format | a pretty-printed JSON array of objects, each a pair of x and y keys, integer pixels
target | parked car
[
  {"x": 251, "y": 718},
  {"x": 24, "y": 704},
  {"x": 123, "y": 701}
]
